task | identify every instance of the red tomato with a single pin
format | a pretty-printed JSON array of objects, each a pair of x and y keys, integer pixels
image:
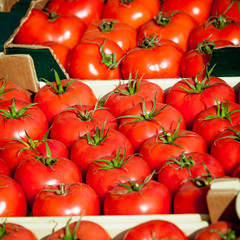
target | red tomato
[
  {"x": 78, "y": 120},
  {"x": 95, "y": 58},
  {"x": 176, "y": 170},
  {"x": 72, "y": 199},
  {"x": 87, "y": 10},
  {"x": 120, "y": 32},
  {"x": 12, "y": 198},
  {"x": 195, "y": 61},
  {"x": 84, "y": 230},
  {"x": 171, "y": 143},
  {"x": 215, "y": 119},
  {"x": 226, "y": 148},
  {"x": 221, "y": 28},
  {"x": 126, "y": 95},
  {"x": 144, "y": 196},
  {"x": 4, "y": 168},
  {"x": 218, "y": 231},
  {"x": 56, "y": 96},
  {"x": 37, "y": 173},
  {"x": 133, "y": 12},
  {"x": 175, "y": 26},
  {"x": 105, "y": 173},
  {"x": 147, "y": 119},
  {"x": 153, "y": 58},
  {"x": 39, "y": 27},
  {"x": 18, "y": 117},
  {"x": 193, "y": 95},
  {"x": 98, "y": 144},
  {"x": 11, "y": 231},
  {"x": 198, "y": 9},
  {"x": 155, "y": 229}
]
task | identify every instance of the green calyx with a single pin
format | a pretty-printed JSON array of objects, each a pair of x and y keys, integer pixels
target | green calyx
[
  {"x": 235, "y": 137},
  {"x": 2, "y": 88},
  {"x": 148, "y": 42},
  {"x": 230, "y": 235},
  {"x": 60, "y": 191},
  {"x": 183, "y": 161},
  {"x": 68, "y": 235},
  {"x": 206, "y": 47},
  {"x": 220, "y": 22},
  {"x": 163, "y": 20},
  {"x": 126, "y": 1},
  {"x": 3, "y": 232},
  {"x": 106, "y": 26}
]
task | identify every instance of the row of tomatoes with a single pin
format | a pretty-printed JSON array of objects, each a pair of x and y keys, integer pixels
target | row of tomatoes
[{"x": 153, "y": 39}]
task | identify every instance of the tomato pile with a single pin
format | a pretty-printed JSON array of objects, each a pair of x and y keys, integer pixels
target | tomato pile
[{"x": 140, "y": 149}]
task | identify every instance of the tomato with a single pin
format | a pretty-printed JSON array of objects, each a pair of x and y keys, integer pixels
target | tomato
[
  {"x": 57, "y": 96},
  {"x": 71, "y": 199},
  {"x": 191, "y": 96},
  {"x": 153, "y": 58},
  {"x": 219, "y": 28},
  {"x": 175, "y": 26},
  {"x": 143, "y": 196},
  {"x": 195, "y": 61},
  {"x": 146, "y": 119},
  {"x": 84, "y": 230},
  {"x": 39, "y": 27},
  {"x": 188, "y": 165},
  {"x": 87, "y": 10},
  {"x": 4, "y": 168},
  {"x": 120, "y": 32},
  {"x": 133, "y": 12},
  {"x": 218, "y": 230},
  {"x": 215, "y": 119},
  {"x": 97, "y": 144},
  {"x": 96, "y": 59},
  {"x": 199, "y": 10},
  {"x": 226, "y": 148},
  {"x": 155, "y": 229},
  {"x": 126, "y": 95},
  {"x": 12, "y": 197},
  {"x": 78, "y": 120},
  {"x": 18, "y": 117},
  {"x": 106, "y": 172},
  {"x": 170, "y": 143},
  {"x": 12, "y": 231}
]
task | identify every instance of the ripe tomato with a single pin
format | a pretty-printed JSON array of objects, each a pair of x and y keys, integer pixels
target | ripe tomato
[
  {"x": 133, "y": 12},
  {"x": 153, "y": 58},
  {"x": 226, "y": 148},
  {"x": 87, "y": 10},
  {"x": 147, "y": 119},
  {"x": 5, "y": 168},
  {"x": 70, "y": 199},
  {"x": 126, "y": 95},
  {"x": 56, "y": 96},
  {"x": 193, "y": 95},
  {"x": 84, "y": 230},
  {"x": 178, "y": 169},
  {"x": 221, "y": 28},
  {"x": 40, "y": 27},
  {"x": 120, "y": 32},
  {"x": 95, "y": 58},
  {"x": 215, "y": 119},
  {"x": 175, "y": 26},
  {"x": 11, "y": 231},
  {"x": 199, "y": 10},
  {"x": 12, "y": 197},
  {"x": 143, "y": 196},
  {"x": 18, "y": 117},
  {"x": 155, "y": 229},
  {"x": 105, "y": 173}
]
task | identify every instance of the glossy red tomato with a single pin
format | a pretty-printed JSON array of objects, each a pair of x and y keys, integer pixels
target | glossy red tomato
[
  {"x": 191, "y": 96},
  {"x": 199, "y": 10},
  {"x": 133, "y": 12},
  {"x": 18, "y": 117},
  {"x": 94, "y": 59},
  {"x": 153, "y": 58},
  {"x": 226, "y": 148},
  {"x": 175, "y": 26},
  {"x": 120, "y": 32},
  {"x": 70, "y": 199},
  {"x": 87, "y": 10},
  {"x": 39, "y": 27},
  {"x": 12, "y": 197},
  {"x": 11, "y": 231},
  {"x": 155, "y": 229}
]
